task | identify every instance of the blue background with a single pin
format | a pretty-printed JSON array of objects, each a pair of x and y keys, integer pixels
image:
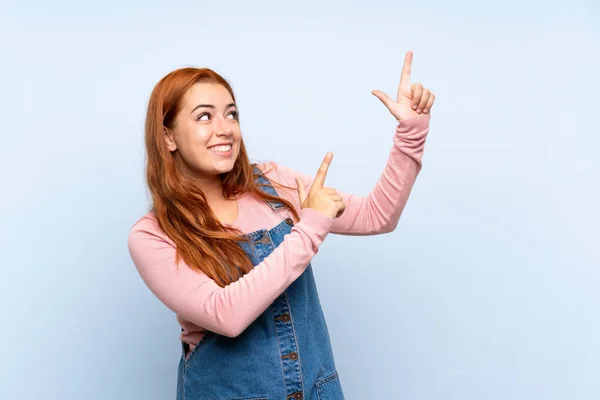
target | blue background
[{"x": 488, "y": 289}]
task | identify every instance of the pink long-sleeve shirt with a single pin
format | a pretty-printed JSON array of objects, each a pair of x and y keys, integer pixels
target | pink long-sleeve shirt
[{"x": 201, "y": 305}]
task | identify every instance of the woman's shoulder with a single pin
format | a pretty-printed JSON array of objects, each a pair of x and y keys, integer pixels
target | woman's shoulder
[
  {"x": 146, "y": 227},
  {"x": 280, "y": 173},
  {"x": 266, "y": 167},
  {"x": 147, "y": 220}
]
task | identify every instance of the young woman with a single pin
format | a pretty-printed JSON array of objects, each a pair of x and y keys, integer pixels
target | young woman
[{"x": 228, "y": 244}]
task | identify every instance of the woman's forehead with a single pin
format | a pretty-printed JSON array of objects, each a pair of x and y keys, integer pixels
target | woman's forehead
[{"x": 208, "y": 93}]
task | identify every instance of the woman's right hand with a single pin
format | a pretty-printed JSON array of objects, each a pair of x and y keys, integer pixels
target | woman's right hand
[{"x": 327, "y": 201}]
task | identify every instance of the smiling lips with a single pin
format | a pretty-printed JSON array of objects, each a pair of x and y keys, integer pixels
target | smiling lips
[{"x": 221, "y": 150}]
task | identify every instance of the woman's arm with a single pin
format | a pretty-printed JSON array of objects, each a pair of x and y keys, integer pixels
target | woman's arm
[
  {"x": 380, "y": 211},
  {"x": 197, "y": 298}
]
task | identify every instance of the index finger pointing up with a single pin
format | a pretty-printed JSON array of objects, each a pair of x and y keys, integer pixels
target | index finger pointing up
[
  {"x": 322, "y": 173},
  {"x": 405, "y": 77}
]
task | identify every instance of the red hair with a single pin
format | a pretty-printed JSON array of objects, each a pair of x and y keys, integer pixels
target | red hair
[{"x": 179, "y": 203}]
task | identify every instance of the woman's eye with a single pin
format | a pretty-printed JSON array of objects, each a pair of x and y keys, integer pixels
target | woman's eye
[
  {"x": 203, "y": 117},
  {"x": 234, "y": 114}
]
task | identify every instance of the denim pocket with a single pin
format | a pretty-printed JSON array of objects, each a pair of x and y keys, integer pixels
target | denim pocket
[
  {"x": 330, "y": 388},
  {"x": 188, "y": 358}
]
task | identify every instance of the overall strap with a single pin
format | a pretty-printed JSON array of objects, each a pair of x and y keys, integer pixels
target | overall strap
[{"x": 269, "y": 189}]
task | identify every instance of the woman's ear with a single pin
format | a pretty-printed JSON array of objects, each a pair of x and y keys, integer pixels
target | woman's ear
[{"x": 171, "y": 145}]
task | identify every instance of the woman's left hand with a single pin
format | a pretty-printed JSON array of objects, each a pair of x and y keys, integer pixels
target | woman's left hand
[{"x": 412, "y": 100}]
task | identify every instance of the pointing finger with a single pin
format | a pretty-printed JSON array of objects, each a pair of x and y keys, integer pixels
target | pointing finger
[
  {"x": 322, "y": 173},
  {"x": 405, "y": 76}
]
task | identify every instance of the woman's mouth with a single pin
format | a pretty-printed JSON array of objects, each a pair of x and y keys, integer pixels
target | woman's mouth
[{"x": 223, "y": 151}]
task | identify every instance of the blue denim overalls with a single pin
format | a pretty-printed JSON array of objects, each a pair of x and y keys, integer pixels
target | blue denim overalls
[{"x": 284, "y": 354}]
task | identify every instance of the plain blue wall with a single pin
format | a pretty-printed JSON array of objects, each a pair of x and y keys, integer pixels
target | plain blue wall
[{"x": 489, "y": 288}]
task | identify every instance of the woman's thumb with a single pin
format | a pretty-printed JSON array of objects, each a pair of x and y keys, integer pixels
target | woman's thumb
[
  {"x": 385, "y": 99},
  {"x": 301, "y": 190}
]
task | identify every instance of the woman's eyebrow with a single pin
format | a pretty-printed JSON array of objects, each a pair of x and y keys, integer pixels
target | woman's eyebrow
[{"x": 211, "y": 106}]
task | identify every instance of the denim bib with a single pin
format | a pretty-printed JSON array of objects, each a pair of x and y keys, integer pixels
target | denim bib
[{"x": 284, "y": 354}]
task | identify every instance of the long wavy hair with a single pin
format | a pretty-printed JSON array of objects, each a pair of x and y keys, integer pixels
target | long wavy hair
[{"x": 178, "y": 201}]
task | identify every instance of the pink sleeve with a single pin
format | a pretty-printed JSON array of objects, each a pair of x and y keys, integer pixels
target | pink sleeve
[
  {"x": 378, "y": 212},
  {"x": 197, "y": 298}
]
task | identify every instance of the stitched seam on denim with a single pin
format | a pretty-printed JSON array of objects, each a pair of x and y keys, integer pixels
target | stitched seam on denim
[
  {"x": 324, "y": 382},
  {"x": 296, "y": 341},
  {"x": 183, "y": 379},
  {"x": 193, "y": 352},
  {"x": 279, "y": 355},
  {"x": 327, "y": 379}
]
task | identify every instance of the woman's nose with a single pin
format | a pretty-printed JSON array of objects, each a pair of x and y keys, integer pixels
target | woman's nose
[{"x": 223, "y": 128}]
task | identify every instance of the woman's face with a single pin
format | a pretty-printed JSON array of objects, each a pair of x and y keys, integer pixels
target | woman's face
[{"x": 207, "y": 131}]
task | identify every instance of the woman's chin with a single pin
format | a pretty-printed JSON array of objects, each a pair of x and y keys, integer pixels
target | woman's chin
[{"x": 224, "y": 167}]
